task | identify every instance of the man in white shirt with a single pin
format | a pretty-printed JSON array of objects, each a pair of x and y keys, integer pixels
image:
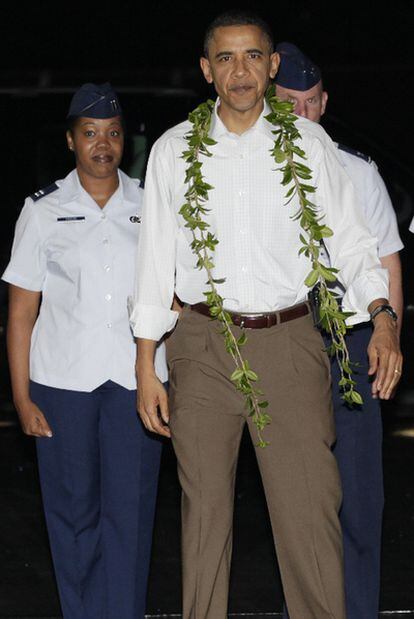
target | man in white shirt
[
  {"x": 257, "y": 254},
  {"x": 358, "y": 448}
]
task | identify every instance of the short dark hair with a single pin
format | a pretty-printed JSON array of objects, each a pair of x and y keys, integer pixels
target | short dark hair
[{"x": 237, "y": 18}]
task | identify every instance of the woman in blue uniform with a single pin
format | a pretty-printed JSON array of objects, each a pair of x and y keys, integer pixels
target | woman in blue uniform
[{"x": 72, "y": 354}]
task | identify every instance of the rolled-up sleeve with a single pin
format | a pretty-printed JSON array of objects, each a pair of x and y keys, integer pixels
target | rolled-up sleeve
[
  {"x": 352, "y": 248},
  {"x": 27, "y": 266},
  {"x": 150, "y": 313}
]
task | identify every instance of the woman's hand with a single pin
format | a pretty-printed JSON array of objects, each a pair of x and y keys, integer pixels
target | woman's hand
[
  {"x": 23, "y": 310},
  {"x": 33, "y": 421}
]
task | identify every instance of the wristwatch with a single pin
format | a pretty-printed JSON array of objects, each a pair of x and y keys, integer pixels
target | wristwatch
[{"x": 384, "y": 308}]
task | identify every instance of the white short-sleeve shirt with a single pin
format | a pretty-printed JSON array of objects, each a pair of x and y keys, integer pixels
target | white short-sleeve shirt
[
  {"x": 373, "y": 200},
  {"x": 82, "y": 259}
]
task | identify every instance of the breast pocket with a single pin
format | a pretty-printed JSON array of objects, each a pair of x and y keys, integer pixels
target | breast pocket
[{"x": 64, "y": 250}]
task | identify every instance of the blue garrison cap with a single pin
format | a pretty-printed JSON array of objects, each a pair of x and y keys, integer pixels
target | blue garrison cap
[
  {"x": 95, "y": 101},
  {"x": 296, "y": 71}
]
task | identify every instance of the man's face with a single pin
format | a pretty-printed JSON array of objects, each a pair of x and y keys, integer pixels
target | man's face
[
  {"x": 240, "y": 64},
  {"x": 308, "y": 103}
]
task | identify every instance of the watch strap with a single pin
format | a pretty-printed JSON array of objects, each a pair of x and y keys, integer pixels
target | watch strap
[{"x": 384, "y": 308}]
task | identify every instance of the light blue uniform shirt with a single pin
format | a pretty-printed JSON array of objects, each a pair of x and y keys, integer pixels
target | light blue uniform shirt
[{"x": 82, "y": 259}]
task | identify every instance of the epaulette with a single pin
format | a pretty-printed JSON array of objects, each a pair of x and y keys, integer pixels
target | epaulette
[
  {"x": 41, "y": 193},
  {"x": 357, "y": 153}
]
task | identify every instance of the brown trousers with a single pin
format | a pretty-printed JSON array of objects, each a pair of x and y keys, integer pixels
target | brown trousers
[{"x": 298, "y": 470}]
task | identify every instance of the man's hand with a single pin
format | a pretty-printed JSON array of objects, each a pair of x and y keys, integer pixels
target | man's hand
[
  {"x": 33, "y": 421},
  {"x": 151, "y": 395},
  {"x": 385, "y": 358}
]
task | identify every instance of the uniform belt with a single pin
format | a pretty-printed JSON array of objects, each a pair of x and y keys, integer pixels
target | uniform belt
[{"x": 260, "y": 321}]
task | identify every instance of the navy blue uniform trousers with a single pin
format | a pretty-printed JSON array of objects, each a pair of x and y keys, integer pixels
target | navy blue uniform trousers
[
  {"x": 99, "y": 477},
  {"x": 358, "y": 451}
]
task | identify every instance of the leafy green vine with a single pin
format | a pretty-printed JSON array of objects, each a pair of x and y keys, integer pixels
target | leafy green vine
[
  {"x": 332, "y": 318},
  {"x": 203, "y": 245}
]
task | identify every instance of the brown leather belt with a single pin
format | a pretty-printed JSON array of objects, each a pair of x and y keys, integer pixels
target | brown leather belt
[{"x": 260, "y": 321}]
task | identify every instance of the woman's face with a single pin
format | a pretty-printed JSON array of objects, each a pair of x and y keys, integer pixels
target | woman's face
[{"x": 98, "y": 145}]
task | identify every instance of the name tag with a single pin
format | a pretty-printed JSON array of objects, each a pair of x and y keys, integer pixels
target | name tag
[{"x": 71, "y": 219}]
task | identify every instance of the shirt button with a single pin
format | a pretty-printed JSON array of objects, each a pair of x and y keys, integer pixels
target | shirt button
[
  {"x": 108, "y": 297},
  {"x": 109, "y": 325},
  {"x": 107, "y": 268},
  {"x": 105, "y": 241},
  {"x": 244, "y": 269},
  {"x": 103, "y": 216},
  {"x": 241, "y": 194},
  {"x": 242, "y": 231}
]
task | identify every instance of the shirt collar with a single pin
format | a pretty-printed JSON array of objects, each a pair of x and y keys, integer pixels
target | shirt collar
[
  {"x": 218, "y": 128},
  {"x": 69, "y": 188},
  {"x": 72, "y": 190},
  {"x": 129, "y": 188}
]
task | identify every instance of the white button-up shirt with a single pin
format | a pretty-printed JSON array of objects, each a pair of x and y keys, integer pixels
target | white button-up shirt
[
  {"x": 259, "y": 241},
  {"x": 82, "y": 259}
]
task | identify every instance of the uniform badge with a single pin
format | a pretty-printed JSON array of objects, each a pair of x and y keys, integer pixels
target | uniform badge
[{"x": 134, "y": 219}]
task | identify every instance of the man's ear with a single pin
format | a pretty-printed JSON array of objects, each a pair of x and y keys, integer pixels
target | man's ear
[
  {"x": 206, "y": 69},
  {"x": 324, "y": 102},
  {"x": 274, "y": 64}
]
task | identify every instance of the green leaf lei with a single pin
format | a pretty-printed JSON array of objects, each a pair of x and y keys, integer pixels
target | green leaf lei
[{"x": 331, "y": 317}]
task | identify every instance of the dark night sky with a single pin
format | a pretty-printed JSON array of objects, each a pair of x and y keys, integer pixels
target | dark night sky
[
  {"x": 364, "y": 48},
  {"x": 67, "y": 35}
]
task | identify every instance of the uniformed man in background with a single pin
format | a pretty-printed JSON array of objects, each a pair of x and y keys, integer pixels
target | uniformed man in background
[{"x": 358, "y": 448}]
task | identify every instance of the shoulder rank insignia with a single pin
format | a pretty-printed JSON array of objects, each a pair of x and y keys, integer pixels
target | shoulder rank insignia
[
  {"x": 44, "y": 192},
  {"x": 357, "y": 153}
]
